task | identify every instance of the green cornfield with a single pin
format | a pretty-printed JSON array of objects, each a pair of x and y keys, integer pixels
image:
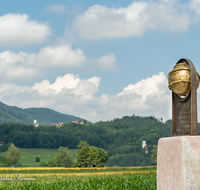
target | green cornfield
[{"x": 104, "y": 182}]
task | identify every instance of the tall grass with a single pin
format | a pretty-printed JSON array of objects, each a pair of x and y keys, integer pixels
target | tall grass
[{"x": 111, "y": 182}]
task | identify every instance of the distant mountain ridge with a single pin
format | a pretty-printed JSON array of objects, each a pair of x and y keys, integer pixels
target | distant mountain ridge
[{"x": 45, "y": 116}]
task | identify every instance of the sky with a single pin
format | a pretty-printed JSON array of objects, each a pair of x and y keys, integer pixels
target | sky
[{"x": 98, "y": 60}]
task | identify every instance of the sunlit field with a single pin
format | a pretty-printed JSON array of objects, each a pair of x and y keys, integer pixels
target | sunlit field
[{"x": 78, "y": 171}]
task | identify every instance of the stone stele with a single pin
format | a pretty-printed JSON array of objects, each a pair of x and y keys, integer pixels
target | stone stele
[{"x": 178, "y": 163}]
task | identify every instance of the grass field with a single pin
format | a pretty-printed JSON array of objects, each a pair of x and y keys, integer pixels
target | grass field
[{"x": 28, "y": 155}]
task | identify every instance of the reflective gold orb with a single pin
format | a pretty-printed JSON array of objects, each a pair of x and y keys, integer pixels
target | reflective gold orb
[{"x": 179, "y": 79}]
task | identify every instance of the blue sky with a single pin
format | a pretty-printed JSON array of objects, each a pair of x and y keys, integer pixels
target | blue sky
[{"x": 95, "y": 59}]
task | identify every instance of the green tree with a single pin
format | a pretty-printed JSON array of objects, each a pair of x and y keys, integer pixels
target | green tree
[
  {"x": 94, "y": 158},
  {"x": 63, "y": 157},
  {"x": 83, "y": 157},
  {"x": 52, "y": 162},
  {"x": 37, "y": 159},
  {"x": 154, "y": 153},
  {"x": 43, "y": 163},
  {"x": 4, "y": 161},
  {"x": 81, "y": 144},
  {"x": 103, "y": 156},
  {"x": 13, "y": 154},
  {"x": 90, "y": 155}
]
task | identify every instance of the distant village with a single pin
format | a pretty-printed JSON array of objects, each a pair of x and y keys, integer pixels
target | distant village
[{"x": 36, "y": 123}]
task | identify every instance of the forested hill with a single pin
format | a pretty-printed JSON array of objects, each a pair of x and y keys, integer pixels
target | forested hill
[
  {"x": 127, "y": 131},
  {"x": 121, "y": 138},
  {"x": 45, "y": 116}
]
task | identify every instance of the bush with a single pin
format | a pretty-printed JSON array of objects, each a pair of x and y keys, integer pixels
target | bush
[
  {"x": 43, "y": 163},
  {"x": 37, "y": 159},
  {"x": 52, "y": 162},
  {"x": 4, "y": 161}
]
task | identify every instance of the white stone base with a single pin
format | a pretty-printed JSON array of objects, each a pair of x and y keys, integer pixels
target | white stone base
[{"x": 178, "y": 163}]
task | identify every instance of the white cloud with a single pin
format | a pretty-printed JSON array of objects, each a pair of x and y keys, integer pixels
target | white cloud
[
  {"x": 24, "y": 66},
  {"x": 105, "y": 62},
  {"x": 13, "y": 67},
  {"x": 59, "y": 9},
  {"x": 195, "y": 6},
  {"x": 147, "y": 86},
  {"x": 99, "y": 21},
  {"x": 17, "y": 30},
  {"x": 59, "y": 56},
  {"x": 73, "y": 95},
  {"x": 69, "y": 81}
]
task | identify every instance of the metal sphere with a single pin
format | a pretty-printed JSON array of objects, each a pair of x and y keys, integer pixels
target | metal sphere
[{"x": 179, "y": 79}]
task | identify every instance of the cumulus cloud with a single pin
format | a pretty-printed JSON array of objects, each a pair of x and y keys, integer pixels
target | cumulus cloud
[
  {"x": 99, "y": 21},
  {"x": 60, "y": 56},
  {"x": 73, "y": 95},
  {"x": 59, "y": 9},
  {"x": 17, "y": 30},
  {"x": 24, "y": 66}
]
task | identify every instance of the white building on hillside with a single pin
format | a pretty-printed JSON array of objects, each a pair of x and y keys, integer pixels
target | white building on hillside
[
  {"x": 144, "y": 145},
  {"x": 36, "y": 123}
]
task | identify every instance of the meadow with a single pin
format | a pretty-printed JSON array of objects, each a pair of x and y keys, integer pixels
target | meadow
[
  {"x": 97, "y": 178},
  {"x": 28, "y": 155}
]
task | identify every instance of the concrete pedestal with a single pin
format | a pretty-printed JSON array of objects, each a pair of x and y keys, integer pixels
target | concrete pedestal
[{"x": 178, "y": 163}]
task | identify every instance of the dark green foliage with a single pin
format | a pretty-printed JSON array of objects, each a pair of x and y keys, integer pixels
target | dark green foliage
[
  {"x": 154, "y": 153},
  {"x": 110, "y": 135},
  {"x": 52, "y": 162},
  {"x": 44, "y": 115},
  {"x": 133, "y": 159},
  {"x": 4, "y": 147},
  {"x": 4, "y": 161},
  {"x": 37, "y": 159}
]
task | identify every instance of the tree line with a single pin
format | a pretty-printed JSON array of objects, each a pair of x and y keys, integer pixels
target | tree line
[
  {"x": 127, "y": 131},
  {"x": 121, "y": 138}
]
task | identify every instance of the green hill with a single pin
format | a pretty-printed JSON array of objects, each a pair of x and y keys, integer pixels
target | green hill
[
  {"x": 45, "y": 116},
  {"x": 121, "y": 138}
]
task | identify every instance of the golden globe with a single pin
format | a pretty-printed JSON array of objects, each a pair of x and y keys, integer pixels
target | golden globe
[{"x": 179, "y": 79}]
